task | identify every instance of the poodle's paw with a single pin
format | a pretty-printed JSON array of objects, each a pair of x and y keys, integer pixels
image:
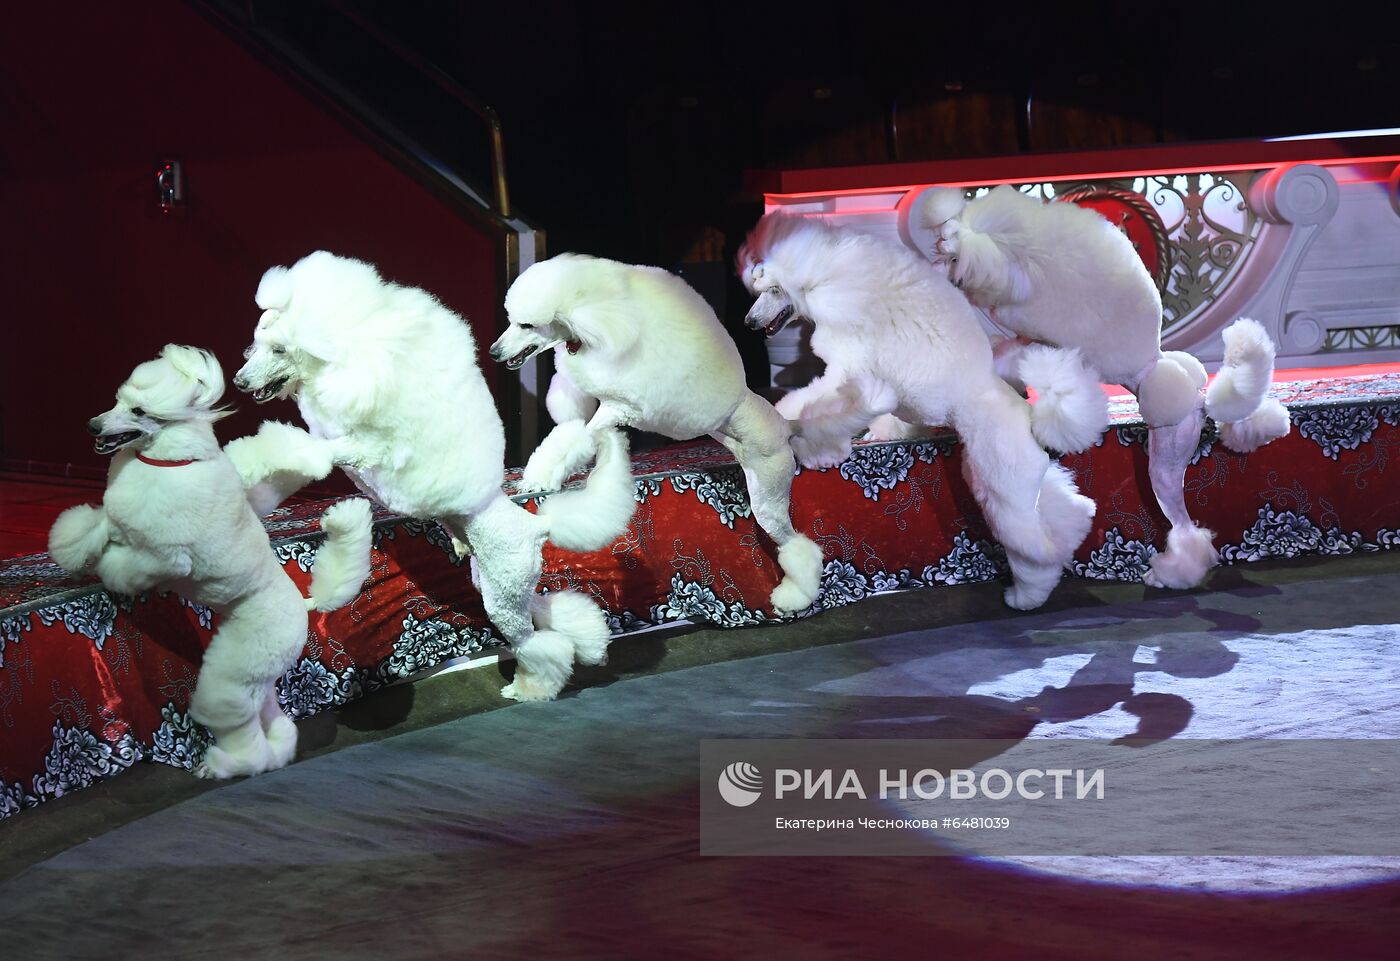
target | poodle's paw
[
  {"x": 347, "y": 517},
  {"x": 1026, "y": 597},
  {"x": 1189, "y": 556},
  {"x": 819, "y": 454},
  {"x": 220, "y": 765},
  {"x": 888, "y": 427},
  {"x": 544, "y": 660},
  {"x": 345, "y": 452},
  {"x": 790, "y": 406},
  {"x": 947, "y": 243},
  {"x": 1151, "y": 578},
  {"x": 461, "y": 548},
  {"x": 1266, "y": 425},
  {"x": 309, "y": 457},
  {"x": 801, "y": 562},
  {"x": 281, "y": 742},
  {"x": 528, "y": 688},
  {"x": 789, "y": 597},
  {"x": 539, "y": 477},
  {"x": 1175, "y": 572}
]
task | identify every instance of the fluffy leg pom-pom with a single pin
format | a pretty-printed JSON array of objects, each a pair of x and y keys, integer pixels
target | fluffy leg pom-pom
[
  {"x": 1071, "y": 410},
  {"x": 1245, "y": 372},
  {"x": 1189, "y": 556},
  {"x": 342, "y": 563},
  {"x": 577, "y": 618},
  {"x": 543, "y": 664},
  {"x": 1031, "y": 586},
  {"x": 1264, "y": 426},
  {"x": 801, "y": 562},
  {"x": 938, "y": 205},
  {"x": 1168, "y": 393},
  {"x": 77, "y": 538}
]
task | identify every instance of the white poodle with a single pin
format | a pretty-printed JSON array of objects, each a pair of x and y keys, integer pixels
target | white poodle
[
  {"x": 897, "y": 338},
  {"x": 1061, "y": 274},
  {"x": 386, "y": 379},
  {"x": 643, "y": 349},
  {"x": 175, "y": 516}
]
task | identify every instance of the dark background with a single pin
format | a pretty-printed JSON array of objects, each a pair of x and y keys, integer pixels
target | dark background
[
  {"x": 628, "y": 127},
  {"x": 628, "y": 132}
]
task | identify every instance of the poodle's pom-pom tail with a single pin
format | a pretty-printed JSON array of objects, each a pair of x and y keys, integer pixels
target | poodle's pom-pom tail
[
  {"x": 1071, "y": 410},
  {"x": 576, "y": 617},
  {"x": 1168, "y": 393},
  {"x": 275, "y": 289},
  {"x": 1188, "y": 362},
  {"x": 543, "y": 665},
  {"x": 77, "y": 538},
  {"x": 939, "y": 205},
  {"x": 342, "y": 563},
  {"x": 801, "y": 562},
  {"x": 1264, "y": 426},
  {"x": 591, "y": 517},
  {"x": 1189, "y": 556},
  {"x": 1245, "y": 373}
]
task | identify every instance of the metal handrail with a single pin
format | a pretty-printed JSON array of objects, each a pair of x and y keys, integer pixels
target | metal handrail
[
  {"x": 440, "y": 78},
  {"x": 449, "y": 86}
]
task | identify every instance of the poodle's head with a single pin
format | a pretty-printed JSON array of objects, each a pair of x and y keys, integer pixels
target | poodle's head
[
  {"x": 180, "y": 386},
  {"x": 803, "y": 268},
  {"x": 767, "y": 270},
  {"x": 553, "y": 303},
  {"x": 311, "y": 312}
]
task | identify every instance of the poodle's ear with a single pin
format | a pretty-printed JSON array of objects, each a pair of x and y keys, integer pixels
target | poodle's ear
[
  {"x": 608, "y": 326},
  {"x": 358, "y": 382},
  {"x": 749, "y": 267},
  {"x": 939, "y": 205},
  {"x": 201, "y": 367},
  {"x": 318, "y": 342},
  {"x": 275, "y": 289}
]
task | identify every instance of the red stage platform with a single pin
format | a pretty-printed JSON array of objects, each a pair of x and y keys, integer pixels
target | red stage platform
[{"x": 91, "y": 683}]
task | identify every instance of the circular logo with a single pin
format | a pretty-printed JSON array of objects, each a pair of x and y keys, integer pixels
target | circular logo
[{"x": 740, "y": 784}]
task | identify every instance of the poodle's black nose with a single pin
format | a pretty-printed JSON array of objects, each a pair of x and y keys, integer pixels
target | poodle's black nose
[
  {"x": 95, "y": 427},
  {"x": 239, "y": 382}
]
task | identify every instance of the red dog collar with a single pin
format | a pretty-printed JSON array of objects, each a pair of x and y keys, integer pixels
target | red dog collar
[{"x": 162, "y": 463}]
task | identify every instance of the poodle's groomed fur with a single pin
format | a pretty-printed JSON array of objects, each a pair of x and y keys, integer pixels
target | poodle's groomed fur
[
  {"x": 643, "y": 349},
  {"x": 386, "y": 378},
  {"x": 176, "y": 516},
  {"x": 897, "y": 338},
  {"x": 1061, "y": 275}
]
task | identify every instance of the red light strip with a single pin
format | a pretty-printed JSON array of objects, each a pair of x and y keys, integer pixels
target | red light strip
[{"x": 1096, "y": 175}]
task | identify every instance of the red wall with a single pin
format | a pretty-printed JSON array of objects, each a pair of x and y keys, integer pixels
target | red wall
[{"x": 96, "y": 280}]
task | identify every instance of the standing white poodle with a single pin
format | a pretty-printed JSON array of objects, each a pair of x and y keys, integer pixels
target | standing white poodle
[
  {"x": 1062, "y": 275},
  {"x": 175, "y": 516},
  {"x": 386, "y": 379},
  {"x": 897, "y": 338},
  {"x": 643, "y": 349}
]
